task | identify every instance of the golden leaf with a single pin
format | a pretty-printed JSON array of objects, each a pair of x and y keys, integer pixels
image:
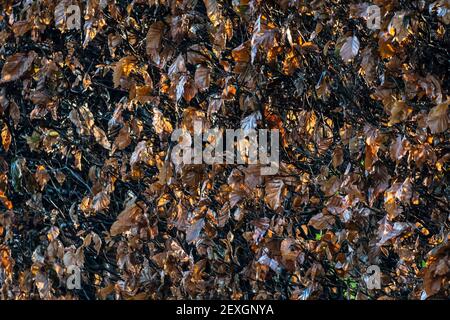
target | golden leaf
[
  {"x": 122, "y": 70},
  {"x": 242, "y": 53},
  {"x": 6, "y": 137},
  {"x": 385, "y": 46},
  {"x": 5, "y": 200},
  {"x": 213, "y": 12}
]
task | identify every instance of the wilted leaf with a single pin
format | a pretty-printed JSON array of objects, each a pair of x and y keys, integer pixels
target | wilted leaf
[
  {"x": 385, "y": 46},
  {"x": 21, "y": 27},
  {"x": 160, "y": 123},
  {"x": 101, "y": 201},
  {"x": 350, "y": 48},
  {"x": 387, "y": 231},
  {"x": 126, "y": 219},
  {"x": 437, "y": 270},
  {"x": 274, "y": 194},
  {"x": 123, "y": 139},
  {"x": 87, "y": 177},
  {"x": 321, "y": 221},
  {"x": 202, "y": 78},
  {"x": 122, "y": 70},
  {"x": 178, "y": 66},
  {"x": 193, "y": 232},
  {"x": 42, "y": 176},
  {"x": 100, "y": 137},
  {"x": 437, "y": 119},
  {"x": 213, "y": 12},
  {"x": 4, "y": 199},
  {"x": 16, "y": 66},
  {"x": 399, "y": 148},
  {"x": 338, "y": 157},
  {"x": 154, "y": 36},
  {"x": 399, "y": 112},
  {"x": 6, "y": 137},
  {"x": 14, "y": 112},
  {"x": 241, "y": 53}
]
